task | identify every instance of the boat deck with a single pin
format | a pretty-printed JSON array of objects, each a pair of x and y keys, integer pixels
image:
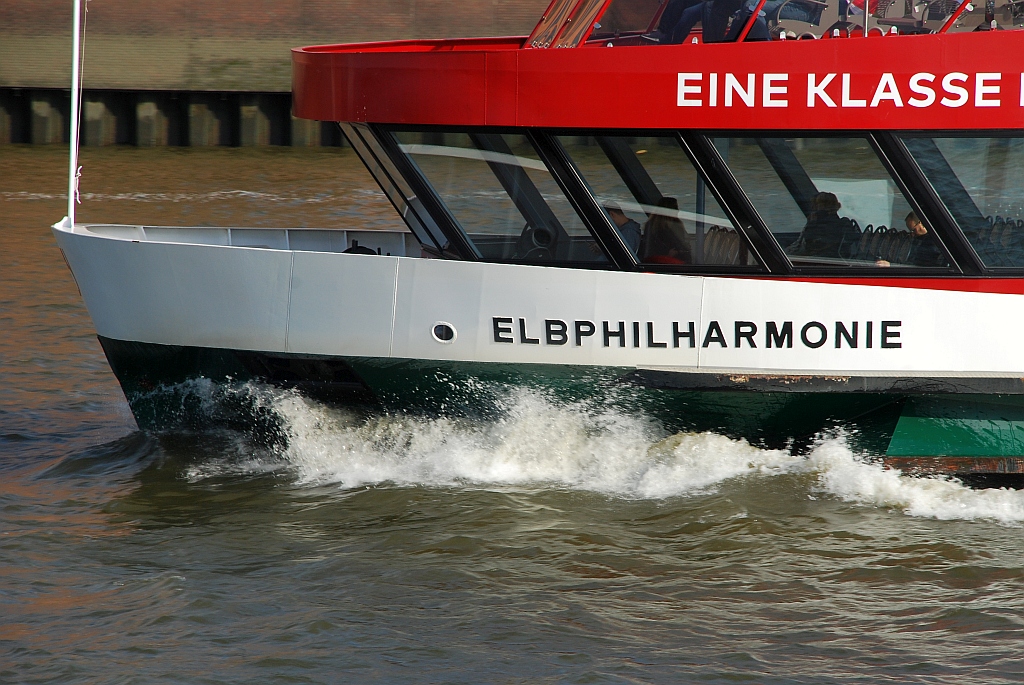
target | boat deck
[{"x": 393, "y": 243}]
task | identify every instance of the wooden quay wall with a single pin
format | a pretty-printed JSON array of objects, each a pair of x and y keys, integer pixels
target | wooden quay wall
[{"x": 202, "y": 72}]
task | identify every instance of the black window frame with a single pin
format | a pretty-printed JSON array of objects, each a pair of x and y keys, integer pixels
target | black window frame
[
  {"x": 966, "y": 247},
  {"x": 428, "y": 196},
  {"x": 546, "y": 154},
  {"x": 753, "y": 242},
  {"x": 926, "y": 203},
  {"x": 573, "y": 184},
  {"x": 898, "y": 171},
  {"x": 363, "y": 141},
  {"x": 699, "y": 147}
]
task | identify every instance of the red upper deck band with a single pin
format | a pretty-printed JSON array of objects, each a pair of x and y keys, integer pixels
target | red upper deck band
[{"x": 921, "y": 82}]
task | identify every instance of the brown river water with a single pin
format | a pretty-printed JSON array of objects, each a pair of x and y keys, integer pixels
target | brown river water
[{"x": 555, "y": 543}]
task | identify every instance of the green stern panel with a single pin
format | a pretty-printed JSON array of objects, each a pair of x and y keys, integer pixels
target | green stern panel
[{"x": 967, "y": 426}]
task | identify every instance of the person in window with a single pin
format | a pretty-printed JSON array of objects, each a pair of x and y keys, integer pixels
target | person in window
[
  {"x": 923, "y": 250},
  {"x": 629, "y": 230},
  {"x": 713, "y": 16},
  {"x": 670, "y": 17},
  {"x": 824, "y": 231},
  {"x": 758, "y": 30},
  {"x": 665, "y": 240}
]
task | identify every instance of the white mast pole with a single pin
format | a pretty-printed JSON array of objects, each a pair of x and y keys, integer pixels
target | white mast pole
[{"x": 75, "y": 75}]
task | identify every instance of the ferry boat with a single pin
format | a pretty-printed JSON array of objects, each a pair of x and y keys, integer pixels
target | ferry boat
[{"x": 782, "y": 218}]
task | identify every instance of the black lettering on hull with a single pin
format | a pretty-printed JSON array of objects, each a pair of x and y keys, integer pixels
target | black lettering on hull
[
  {"x": 584, "y": 329},
  {"x": 714, "y": 335},
  {"x": 812, "y": 334},
  {"x": 502, "y": 329},
  {"x": 774, "y": 335}
]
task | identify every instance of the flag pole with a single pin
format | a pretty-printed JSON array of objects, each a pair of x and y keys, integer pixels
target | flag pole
[{"x": 75, "y": 90}]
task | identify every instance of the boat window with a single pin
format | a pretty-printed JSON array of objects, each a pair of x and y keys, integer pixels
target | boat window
[
  {"x": 579, "y": 24},
  {"x": 978, "y": 180},
  {"x": 503, "y": 197},
  {"x": 627, "y": 17},
  {"x": 992, "y": 15},
  {"x": 829, "y": 201},
  {"x": 397, "y": 190},
  {"x": 663, "y": 209},
  {"x": 551, "y": 23}
]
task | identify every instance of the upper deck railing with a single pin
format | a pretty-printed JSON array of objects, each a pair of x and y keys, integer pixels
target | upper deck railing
[{"x": 577, "y": 23}]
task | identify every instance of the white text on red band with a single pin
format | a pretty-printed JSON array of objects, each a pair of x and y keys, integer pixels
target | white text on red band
[{"x": 923, "y": 89}]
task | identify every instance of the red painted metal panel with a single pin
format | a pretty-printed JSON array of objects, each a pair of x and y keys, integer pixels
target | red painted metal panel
[
  {"x": 974, "y": 81},
  {"x": 389, "y": 81},
  {"x": 389, "y": 87},
  {"x": 502, "y": 88},
  {"x": 314, "y": 81}
]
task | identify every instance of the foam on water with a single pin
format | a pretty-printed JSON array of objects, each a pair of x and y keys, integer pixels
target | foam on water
[
  {"x": 540, "y": 442},
  {"x": 535, "y": 442},
  {"x": 851, "y": 478}
]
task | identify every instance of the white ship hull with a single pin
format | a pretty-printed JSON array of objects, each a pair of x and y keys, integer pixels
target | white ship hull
[
  {"x": 167, "y": 287},
  {"x": 766, "y": 359}
]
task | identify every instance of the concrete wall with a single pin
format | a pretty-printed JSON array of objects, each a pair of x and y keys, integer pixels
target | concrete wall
[
  {"x": 15, "y": 117},
  {"x": 50, "y": 122},
  {"x": 223, "y": 45},
  {"x": 161, "y": 119},
  {"x": 153, "y": 118},
  {"x": 202, "y": 72}
]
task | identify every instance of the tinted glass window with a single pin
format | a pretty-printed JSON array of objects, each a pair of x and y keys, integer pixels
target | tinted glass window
[
  {"x": 979, "y": 181},
  {"x": 551, "y": 23},
  {"x": 664, "y": 211},
  {"x": 503, "y": 196},
  {"x": 980, "y": 16},
  {"x": 579, "y": 24},
  {"x": 626, "y": 16},
  {"x": 830, "y": 202}
]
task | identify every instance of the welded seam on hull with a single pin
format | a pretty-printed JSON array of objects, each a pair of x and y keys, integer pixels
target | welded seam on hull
[
  {"x": 394, "y": 309},
  {"x": 700, "y": 317},
  {"x": 288, "y": 315}
]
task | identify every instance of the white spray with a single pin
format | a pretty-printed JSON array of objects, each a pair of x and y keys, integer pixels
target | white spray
[{"x": 540, "y": 443}]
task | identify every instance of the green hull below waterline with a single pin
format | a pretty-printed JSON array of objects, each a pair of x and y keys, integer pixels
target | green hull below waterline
[
  {"x": 763, "y": 418},
  {"x": 986, "y": 426},
  {"x": 156, "y": 381}
]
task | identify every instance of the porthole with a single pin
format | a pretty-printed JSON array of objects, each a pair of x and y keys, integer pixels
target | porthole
[{"x": 444, "y": 332}]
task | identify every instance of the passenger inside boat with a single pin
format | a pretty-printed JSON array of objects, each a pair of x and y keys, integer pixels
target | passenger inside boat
[
  {"x": 665, "y": 240},
  {"x": 669, "y": 19},
  {"x": 825, "y": 231},
  {"x": 714, "y": 17},
  {"x": 712, "y": 202},
  {"x": 630, "y": 230},
  {"x": 800, "y": 10},
  {"x": 923, "y": 250},
  {"x": 829, "y": 215},
  {"x": 975, "y": 179}
]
